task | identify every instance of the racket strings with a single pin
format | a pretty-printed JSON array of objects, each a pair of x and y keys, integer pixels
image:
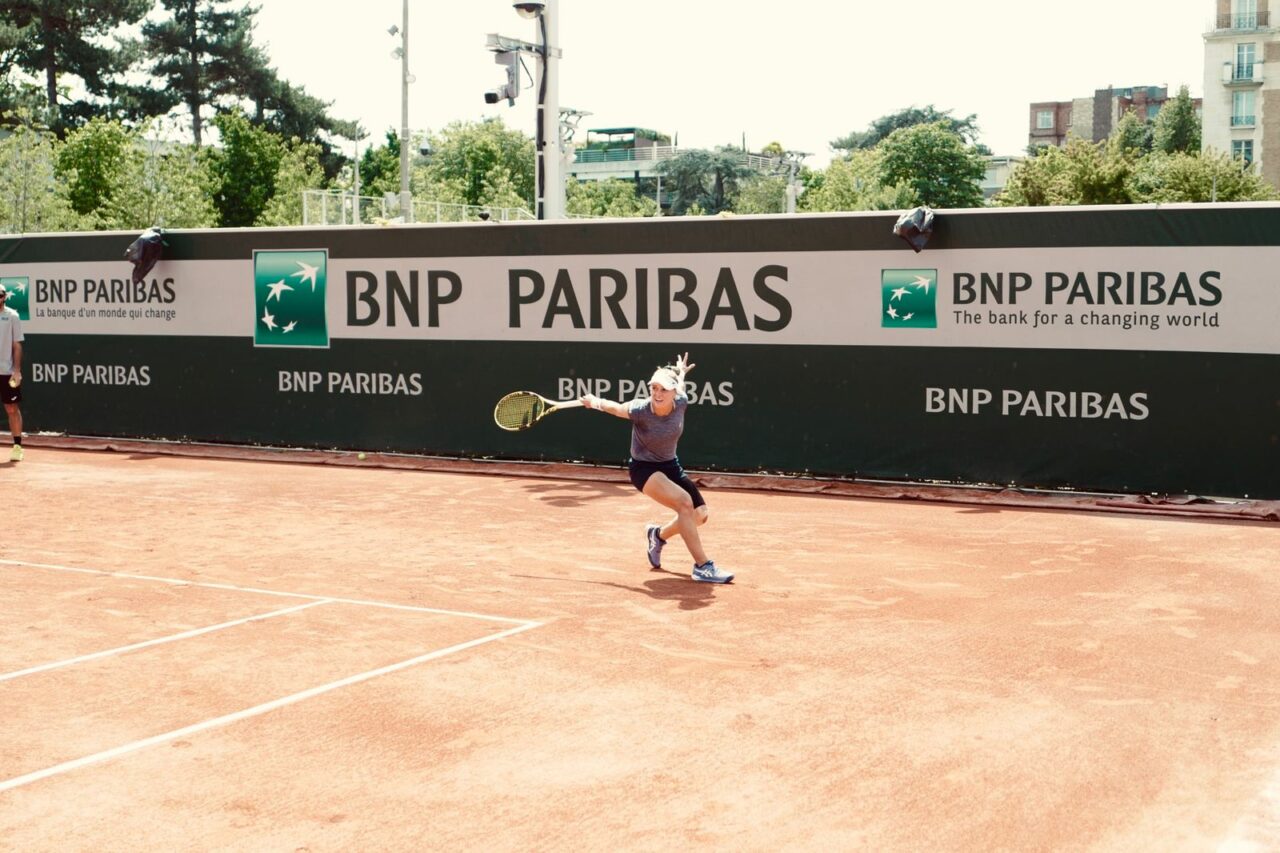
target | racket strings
[{"x": 518, "y": 411}]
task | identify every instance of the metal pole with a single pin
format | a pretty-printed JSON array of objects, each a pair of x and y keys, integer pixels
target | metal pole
[
  {"x": 355, "y": 195},
  {"x": 406, "y": 200},
  {"x": 550, "y": 144}
]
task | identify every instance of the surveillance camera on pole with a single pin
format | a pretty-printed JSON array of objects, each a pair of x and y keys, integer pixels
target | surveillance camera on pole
[
  {"x": 509, "y": 59},
  {"x": 548, "y": 143}
]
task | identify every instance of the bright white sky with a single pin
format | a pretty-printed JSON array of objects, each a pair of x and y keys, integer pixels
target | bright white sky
[{"x": 801, "y": 72}]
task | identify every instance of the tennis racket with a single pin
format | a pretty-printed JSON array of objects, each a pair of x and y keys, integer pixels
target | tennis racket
[{"x": 520, "y": 410}]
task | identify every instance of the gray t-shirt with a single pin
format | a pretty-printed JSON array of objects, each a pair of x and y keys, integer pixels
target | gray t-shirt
[
  {"x": 654, "y": 437},
  {"x": 10, "y": 331}
]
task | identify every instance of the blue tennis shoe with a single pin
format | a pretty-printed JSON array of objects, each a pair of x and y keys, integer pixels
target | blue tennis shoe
[
  {"x": 708, "y": 573},
  {"x": 655, "y": 545}
]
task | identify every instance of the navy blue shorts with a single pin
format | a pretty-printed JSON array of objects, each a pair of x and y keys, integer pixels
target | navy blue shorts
[
  {"x": 9, "y": 395},
  {"x": 641, "y": 471}
]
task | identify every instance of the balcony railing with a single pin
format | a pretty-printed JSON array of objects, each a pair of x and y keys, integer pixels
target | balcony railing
[
  {"x": 623, "y": 155},
  {"x": 1244, "y": 22},
  {"x": 1243, "y": 73},
  {"x": 1243, "y": 121},
  {"x": 663, "y": 152}
]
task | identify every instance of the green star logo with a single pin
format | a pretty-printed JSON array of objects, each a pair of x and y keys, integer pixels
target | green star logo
[
  {"x": 18, "y": 298},
  {"x": 289, "y": 298},
  {"x": 908, "y": 299}
]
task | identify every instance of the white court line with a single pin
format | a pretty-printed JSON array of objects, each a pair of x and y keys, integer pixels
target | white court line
[
  {"x": 1258, "y": 829},
  {"x": 257, "y": 591},
  {"x": 67, "y": 766},
  {"x": 146, "y": 643}
]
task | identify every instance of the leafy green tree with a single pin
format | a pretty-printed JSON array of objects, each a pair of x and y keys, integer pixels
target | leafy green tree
[
  {"x": 54, "y": 38},
  {"x": 30, "y": 196},
  {"x": 612, "y": 198},
  {"x": 243, "y": 170},
  {"x": 934, "y": 161},
  {"x": 300, "y": 169},
  {"x": 1041, "y": 180},
  {"x": 289, "y": 111},
  {"x": 761, "y": 194},
  {"x": 1195, "y": 177},
  {"x": 853, "y": 183},
  {"x": 1081, "y": 172},
  {"x": 880, "y": 129},
  {"x": 203, "y": 52},
  {"x": 380, "y": 167},
  {"x": 481, "y": 163},
  {"x": 707, "y": 179},
  {"x": 1132, "y": 133},
  {"x": 1176, "y": 126},
  {"x": 90, "y": 165},
  {"x": 165, "y": 184}
]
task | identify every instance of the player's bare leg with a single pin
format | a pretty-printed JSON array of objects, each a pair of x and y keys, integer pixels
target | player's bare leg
[
  {"x": 672, "y": 527},
  {"x": 686, "y": 521}
]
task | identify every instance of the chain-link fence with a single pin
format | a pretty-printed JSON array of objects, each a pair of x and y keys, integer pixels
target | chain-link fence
[{"x": 334, "y": 207}]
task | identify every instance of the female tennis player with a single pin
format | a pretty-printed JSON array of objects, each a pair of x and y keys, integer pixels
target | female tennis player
[{"x": 656, "y": 425}]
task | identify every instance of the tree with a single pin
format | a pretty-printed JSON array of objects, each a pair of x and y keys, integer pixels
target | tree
[
  {"x": 853, "y": 183},
  {"x": 243, "y": 170},
  {"x": 1132, "y": 133},
  {"x": 1195, "y": 177},
  {"x": 289, "y": 111},
  {"x": 613, "y": 198},
  {"x": 934, "y": 161},
  {"x": 707, "y": 179},
  {"x": 165, "y": 184},
  {"x": 299, "y": 170},
  {"x": 879, "y": 130},
  {"x": 55, "y": 38},
  {"x": 30, "y": 197},
  {"x": 203, "y": 52},
  {"x": 380, "y": 167},
  {"x": 481, "y": 163},
  {"x": 119, "y": 178},
  {"x": 90, "y": 164},
  {"x": 761, "y": 194},
  {"x": 1081, "y": 172},
  {"x": 1041, "y": 180},
  {"x": 1176, "y": 126}
]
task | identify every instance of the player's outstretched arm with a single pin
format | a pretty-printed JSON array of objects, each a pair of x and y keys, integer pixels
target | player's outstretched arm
[{"x": 591, "y": 401}]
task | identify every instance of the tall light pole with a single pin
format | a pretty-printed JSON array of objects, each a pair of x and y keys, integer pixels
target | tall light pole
[
  {"x": 547, "y": 139},
  {"x": 406, "y": 199},
  {"x": 792, "y": 160}
]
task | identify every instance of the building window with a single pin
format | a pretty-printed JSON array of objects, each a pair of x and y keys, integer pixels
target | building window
[
  {"x": 1245, "y": 54},
  {"x": 1044, "y": 119},
  {"x": 1244, "y": 14},
  {"x": 1242, "y": 149},
  {"x": 1242, "y": 109},
  {"x": 1152, "y": 110}
]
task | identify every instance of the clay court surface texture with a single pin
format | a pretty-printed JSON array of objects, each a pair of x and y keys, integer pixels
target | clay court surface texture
[{"x": 246, "y": 654}]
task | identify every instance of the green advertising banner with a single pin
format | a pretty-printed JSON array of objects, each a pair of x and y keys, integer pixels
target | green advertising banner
[{"x": 1030, "y": 348}]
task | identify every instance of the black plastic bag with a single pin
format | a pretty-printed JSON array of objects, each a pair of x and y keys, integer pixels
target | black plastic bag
[
  {"x": 916, "y": 227},
  {"x": 144, "y": 252}
]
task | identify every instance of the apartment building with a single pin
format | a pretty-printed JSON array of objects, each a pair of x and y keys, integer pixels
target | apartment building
[
  {"x": 1241, "y": 99},
  {"x": 1094, "y": 118}
]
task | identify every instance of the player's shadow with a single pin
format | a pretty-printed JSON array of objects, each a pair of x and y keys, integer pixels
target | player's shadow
[
  {"x": 575, "y": 494},
  {"x": 680, "y": 588}
]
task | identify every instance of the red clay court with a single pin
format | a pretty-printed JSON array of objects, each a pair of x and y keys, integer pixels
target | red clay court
[{"x": 225, "y": 653}]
